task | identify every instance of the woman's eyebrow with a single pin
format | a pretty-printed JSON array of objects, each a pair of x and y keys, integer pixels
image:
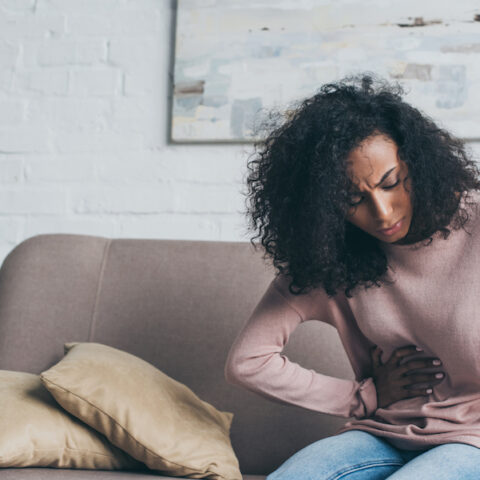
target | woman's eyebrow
[{"x": 385, "y": 175}]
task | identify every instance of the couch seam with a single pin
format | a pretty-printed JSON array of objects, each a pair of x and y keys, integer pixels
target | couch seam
[{"x": 93, "y": 318}]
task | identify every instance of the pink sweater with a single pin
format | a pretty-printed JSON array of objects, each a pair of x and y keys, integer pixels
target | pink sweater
[{"x": 434, "y": 304}]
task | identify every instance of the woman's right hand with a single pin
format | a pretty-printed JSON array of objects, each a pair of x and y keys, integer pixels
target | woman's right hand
[{"x": 395, "y": 382}]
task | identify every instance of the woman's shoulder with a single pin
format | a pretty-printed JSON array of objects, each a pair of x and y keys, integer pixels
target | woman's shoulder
[{"x": 315, "y": 304}]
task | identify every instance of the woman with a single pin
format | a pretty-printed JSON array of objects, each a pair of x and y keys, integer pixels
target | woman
[{"x": 370, "y": 213}]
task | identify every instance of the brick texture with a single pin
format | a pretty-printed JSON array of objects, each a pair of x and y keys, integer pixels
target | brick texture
[{"x": 84, "y": 89}]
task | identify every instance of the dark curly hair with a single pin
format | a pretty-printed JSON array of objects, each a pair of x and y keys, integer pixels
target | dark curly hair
[{"x": 298, "y": 187}]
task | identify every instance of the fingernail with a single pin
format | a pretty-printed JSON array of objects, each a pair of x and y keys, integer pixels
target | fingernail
[
  {"x": 419, "y": 349},
  {"x": 437, "y": 362},
  {"x": 429, "y": 390},
  {"x": 438, "y": 375}
]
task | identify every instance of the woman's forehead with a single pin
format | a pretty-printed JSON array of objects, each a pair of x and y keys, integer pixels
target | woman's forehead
[{"x": 372, "y": 159}]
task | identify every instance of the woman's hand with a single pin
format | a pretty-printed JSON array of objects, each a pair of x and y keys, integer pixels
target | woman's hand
[{"x": 395, "y": 382}]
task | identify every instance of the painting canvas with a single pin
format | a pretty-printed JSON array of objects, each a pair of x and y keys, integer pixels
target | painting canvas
[{"x": 238, "y": 60}]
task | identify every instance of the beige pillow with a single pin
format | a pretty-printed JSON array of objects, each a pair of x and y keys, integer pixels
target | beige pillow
[
  {"x": 36, "y": 432},
  {"x": 149, "y": 415}
]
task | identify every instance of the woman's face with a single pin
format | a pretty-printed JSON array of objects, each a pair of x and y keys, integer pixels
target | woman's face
[{"x": 380, "y": 198}]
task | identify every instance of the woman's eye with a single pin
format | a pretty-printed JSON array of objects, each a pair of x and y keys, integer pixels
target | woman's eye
[
  {"x": 393, "y": 185},
  {"x": 353, "y": 202},
  {"x": 357, "y": 199}
]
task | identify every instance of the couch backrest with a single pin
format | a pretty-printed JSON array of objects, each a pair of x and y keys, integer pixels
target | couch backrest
[{"x": 177, "y": 304}]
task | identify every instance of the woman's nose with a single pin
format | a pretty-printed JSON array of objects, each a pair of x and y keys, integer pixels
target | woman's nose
[{"x": 383, "y": 208}]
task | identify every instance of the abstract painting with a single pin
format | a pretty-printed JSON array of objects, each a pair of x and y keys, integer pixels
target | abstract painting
[{"x": 238, "y": 60}]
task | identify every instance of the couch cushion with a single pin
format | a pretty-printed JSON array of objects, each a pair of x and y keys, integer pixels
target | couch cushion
[
  {"x": 156, "y": 419},
  {"x": 178, "y": 304}
]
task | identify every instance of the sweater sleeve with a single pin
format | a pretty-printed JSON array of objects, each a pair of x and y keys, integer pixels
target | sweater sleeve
[{"x": 255, "y": 360}]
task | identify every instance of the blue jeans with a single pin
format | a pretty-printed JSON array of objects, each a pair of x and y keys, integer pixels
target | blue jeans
[{"x": 359, "y": 455}]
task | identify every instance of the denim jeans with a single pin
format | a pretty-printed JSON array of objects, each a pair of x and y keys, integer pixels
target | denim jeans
[{"x": 359, "y": 455}]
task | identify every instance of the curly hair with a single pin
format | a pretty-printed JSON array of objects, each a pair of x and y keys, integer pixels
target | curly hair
[{"x": 298, "y": 187}]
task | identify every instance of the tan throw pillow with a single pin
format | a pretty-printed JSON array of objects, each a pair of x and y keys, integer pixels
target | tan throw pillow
[
  {"x": 36, "y": 432},
  {"x": 149, "y": 415}
]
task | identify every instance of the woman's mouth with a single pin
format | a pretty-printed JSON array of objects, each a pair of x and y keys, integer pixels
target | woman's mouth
[{"x": 392, "y": 230}]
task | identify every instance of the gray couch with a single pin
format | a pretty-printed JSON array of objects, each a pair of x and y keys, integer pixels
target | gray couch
[{"x": 178, "y": 305}]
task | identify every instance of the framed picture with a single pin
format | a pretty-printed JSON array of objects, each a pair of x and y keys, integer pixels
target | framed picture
[{"x": 238, "y": 60}]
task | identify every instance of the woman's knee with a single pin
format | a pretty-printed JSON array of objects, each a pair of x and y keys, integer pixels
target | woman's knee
[
  {"x": 443, "y": 462},
  {"x": 338, "y": 456}
]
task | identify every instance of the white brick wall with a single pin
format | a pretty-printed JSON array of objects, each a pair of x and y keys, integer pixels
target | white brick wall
[{"x": 83, "y": 122}]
